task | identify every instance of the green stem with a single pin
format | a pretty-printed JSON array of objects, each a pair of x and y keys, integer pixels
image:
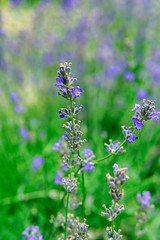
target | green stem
[
  {"x": 83, "y": 195},
  {"x": 66, "y": 216},
  {"x": 112, "y": 223}
]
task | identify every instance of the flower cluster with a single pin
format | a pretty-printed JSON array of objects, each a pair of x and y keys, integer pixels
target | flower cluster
[
  {"x": 144, "y": 207},
  {"x": 32, "y": 233},
  {"x": 70, "y": 184},
  {"x": 141, "y": 115},
  {"x": 114, "y": 147},
  {"x": 73, "y": 135},
  {"x": 75, "y": 229},
  {"x": 116, "y": 192}
]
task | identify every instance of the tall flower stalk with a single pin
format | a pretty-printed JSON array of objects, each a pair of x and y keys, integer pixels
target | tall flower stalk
[
  {"x": 115, "y": 184},
  {"x": 71, "y": 158}
]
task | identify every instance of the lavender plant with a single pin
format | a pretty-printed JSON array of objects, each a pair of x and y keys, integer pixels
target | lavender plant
[
  {"x": 74, "y": 164},
  {"x": 115, "y": 184},
  {"x": 70, "y": 154}
]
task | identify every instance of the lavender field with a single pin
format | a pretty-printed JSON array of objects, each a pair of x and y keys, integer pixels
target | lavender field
[{"x": 79, "y": 120}]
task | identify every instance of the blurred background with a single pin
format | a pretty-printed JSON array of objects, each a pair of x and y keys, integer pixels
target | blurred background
[{"x": 114, "y": 47}]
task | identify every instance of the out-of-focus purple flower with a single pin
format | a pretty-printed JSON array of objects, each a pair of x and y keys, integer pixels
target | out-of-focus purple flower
[
  {"x": 114, "y": 70},
  {"x": 23, "y": 132},
  {"x": 2, "y": 33},
  {"x": 137, "y": 123},
  {"x": 32, "y": 233},
  {"x": 131, "y": 138},
  {"x": 37, "y": 162},
  {"x": 58, "y": 178},
  {"x": 15, "y": 3},
  {"x": 154, "y": 116},
  {"x": 144, "y": 198},
  {"x": 19, "y": 109},
  {"x": 129, "y": 76},
  {"x": 14, "y": 97},
  {"x": 88, "y": 166},
  {"x": 48, "y": 58},
  {"x": 57, "y": 146},
  {"x": 77, "y": 91},
  {"x": 141, "y": 94},
  {"x": 65, "y": 168},
  {"x": 69, "y": 4}
]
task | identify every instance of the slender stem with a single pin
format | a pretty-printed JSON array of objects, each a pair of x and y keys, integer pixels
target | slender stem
[
  {"x": 83, "y": 195},
  {"x": 112, "y": 223},
  {"x": 66, "y": 216},
  {"x": 109, "y": 155}
]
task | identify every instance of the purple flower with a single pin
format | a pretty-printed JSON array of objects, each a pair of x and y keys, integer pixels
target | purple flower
[
  {"x": 144, "y": 198},
  {"x": 65, "y": 168},
  {"x": 58, "y": 178},
  {"x": 37, "y": 162},
  {"x": 115, "y": 167},
  {"x": 87, "y": 152},
  {"x": 57, "y": 146},
  {"x": 15, "y": 3},
  {"x": 62, "y": 114},
  {"x": 137, "y": 108},
  {"x": 154, "y": 116},
  {"x": 23, "y": 132},
  {"x": 77, "y": 91},
  {"x": 14, "y": 97},
  {"x": 141, "y": 94},
  {"x": 137, "y": 124},
  {"x": 32, "y": 233},
  {"x": 131, "y": 138},
  {"x": 59, "y": 82},
  {"x": 88, "y": 167},
  {"x": 48, "y": 58},
  {"x": 19, "y": 109},
  {"x": 129, "y": 76}
]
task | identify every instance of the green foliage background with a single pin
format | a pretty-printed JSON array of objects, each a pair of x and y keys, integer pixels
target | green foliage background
[{"x": 33, "y": 28}]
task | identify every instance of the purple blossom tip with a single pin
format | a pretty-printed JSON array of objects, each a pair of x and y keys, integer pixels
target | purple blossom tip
[
  {"x": 154, "y": 116},
  {"x": 89, "y": 167},
  {"x": 77, "y": 91},
  {"x": 131, "y": 138},
  {"x": 137, "y": 124},
  {"x": 88, "y": 152},
  {"x": 115, "y": 167},
  {"x": 136, "y": 108}
]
